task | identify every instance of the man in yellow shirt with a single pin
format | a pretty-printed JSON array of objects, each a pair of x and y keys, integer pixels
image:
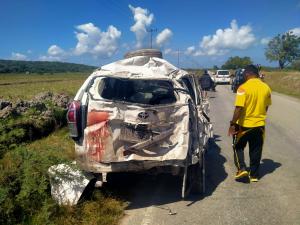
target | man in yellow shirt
[{"x": 248, "y": 122}]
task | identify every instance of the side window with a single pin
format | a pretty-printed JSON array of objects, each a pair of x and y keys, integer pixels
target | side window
[{"x": 189, "y": 85}]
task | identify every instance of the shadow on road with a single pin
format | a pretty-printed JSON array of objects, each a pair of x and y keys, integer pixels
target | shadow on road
[
  {"x": 215, "y": 170},
  {"x": 268, "y": 166},
  {"x": 144, "y": 190}
]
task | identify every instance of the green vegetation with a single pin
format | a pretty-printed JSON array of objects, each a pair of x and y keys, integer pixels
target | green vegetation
[
  {"x": 25, "y": 86},
  {"x": 35, "y": 122},
  {"x": 236, "y": 62},
  {"x": 15, "y": 66},
  {"x": 285, "y": 82},
  {"x": 284, "y": 48},
  {"x": 25, "y": 191},
  {"x": 24, "y": 182},
  {"x": 296, "y": 65}
]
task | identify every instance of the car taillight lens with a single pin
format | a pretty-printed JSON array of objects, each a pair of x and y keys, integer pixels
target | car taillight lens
[{"x": 73, "y": 118}]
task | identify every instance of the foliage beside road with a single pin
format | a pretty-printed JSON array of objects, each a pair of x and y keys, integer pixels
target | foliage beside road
[
  {"x": 25, "y": 156},
  {"x": 285, "y": 82},
  {"x": 25, "y": 190}
]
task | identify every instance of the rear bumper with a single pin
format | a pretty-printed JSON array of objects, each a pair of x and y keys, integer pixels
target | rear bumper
[
  {"x": 128, "y": 166},
  {"x": 222, "y": 81}
]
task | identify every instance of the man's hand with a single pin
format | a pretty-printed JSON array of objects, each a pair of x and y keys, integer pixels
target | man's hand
[{"x": 232, "y": 130}]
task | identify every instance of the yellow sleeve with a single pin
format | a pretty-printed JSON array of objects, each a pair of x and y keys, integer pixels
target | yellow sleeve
[
  {"x": 240, "y": 97},
  {"x": 269, "y": 98}
]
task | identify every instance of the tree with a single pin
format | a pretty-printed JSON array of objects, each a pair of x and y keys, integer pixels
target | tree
[
  {"x": 237, "y": 62},
  {"x": 215, "y": 67},
  {"x": 296, "y": 65},
  {"x": 284, "y": 48}
]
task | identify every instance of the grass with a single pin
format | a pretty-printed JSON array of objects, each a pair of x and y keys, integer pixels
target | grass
[
  {"x": 24, "y": 182},
  {"x": 25, "y": 190},
  {"x": 25, "y": 86},
  {"x": 285, "y": 82}
]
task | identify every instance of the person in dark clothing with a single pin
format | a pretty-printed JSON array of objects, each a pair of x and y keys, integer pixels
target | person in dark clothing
[{"x": 206, "y": 83}]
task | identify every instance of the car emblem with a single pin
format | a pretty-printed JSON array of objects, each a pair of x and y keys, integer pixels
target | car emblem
[{"x": 143, "y": 115}]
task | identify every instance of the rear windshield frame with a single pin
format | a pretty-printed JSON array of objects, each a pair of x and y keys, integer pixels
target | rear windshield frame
[
  {"x": 221, "y": 72},
  {"x": 131, "y": 92}
]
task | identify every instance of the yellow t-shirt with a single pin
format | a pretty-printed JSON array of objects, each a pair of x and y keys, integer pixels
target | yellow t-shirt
[{"x": 254, "y": 96}]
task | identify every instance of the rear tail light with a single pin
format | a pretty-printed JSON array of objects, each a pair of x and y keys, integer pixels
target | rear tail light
[{"x": 73, "y": 117}]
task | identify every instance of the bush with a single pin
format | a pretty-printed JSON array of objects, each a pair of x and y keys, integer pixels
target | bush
[
  {"x": 25, "y": 187},
  {"x": 296, "y": 65}
]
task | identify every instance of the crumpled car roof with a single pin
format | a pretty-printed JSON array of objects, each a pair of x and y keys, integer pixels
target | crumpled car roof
[{"x": 142, "y": 67}]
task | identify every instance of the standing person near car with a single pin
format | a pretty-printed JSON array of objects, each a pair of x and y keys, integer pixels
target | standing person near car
[
  {"x": 206, "y": 83},
  {"x": 248, "y": 122}
]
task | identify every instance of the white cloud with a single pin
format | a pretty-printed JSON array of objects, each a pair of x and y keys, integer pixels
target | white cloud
[
  {"x": 225, "y": 40},
  {"x": 49, "y": 58},
  {"x": 163, "y": 37},
  {"x": 170, "y": 51},
  {"x": 54, "y": 53},
  {"x": 167, "y": 51},
  {"x": 190, "y": 50},
  {"x": 55, "y": 50},
  {"x": 18, "y": 56},
  {"x": 295, "y": 31},
  {"x": 96, "y": 42},
  {"x": 265, "y": 41},
  {"x": 143, "y": 19}
]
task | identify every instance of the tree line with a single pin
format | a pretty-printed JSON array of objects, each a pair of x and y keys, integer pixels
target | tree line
[{"x": 15, "y": 66}]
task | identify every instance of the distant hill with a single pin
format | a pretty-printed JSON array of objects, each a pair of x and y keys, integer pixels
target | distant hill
[{"x": 15, "y": 66}]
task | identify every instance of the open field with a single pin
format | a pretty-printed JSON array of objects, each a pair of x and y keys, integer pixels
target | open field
[
  {"x": 284, "y": 82},
  {"x": 25, "y": 86}
]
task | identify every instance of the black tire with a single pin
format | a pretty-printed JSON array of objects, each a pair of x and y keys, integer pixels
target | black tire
[
  {"x": 198, "y": 176},
  {"x": 194, "y": 178},
  {"x": 193, "y": 174}
]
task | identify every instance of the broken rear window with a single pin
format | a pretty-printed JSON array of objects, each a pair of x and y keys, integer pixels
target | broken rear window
[{"x": 150, "y": 92}]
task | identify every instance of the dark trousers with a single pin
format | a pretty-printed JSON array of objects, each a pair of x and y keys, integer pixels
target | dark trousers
[{"x": 255, "y": 137}]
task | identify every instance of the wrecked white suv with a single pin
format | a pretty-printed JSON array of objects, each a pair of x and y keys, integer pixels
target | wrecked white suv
[{"x": 141, "y": 113}]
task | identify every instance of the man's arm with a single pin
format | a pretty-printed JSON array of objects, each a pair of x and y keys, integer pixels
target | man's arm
[{"x": 236, "y": 115}]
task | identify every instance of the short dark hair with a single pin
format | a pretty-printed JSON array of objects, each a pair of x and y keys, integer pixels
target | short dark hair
[{"x": 251, "y": 69}]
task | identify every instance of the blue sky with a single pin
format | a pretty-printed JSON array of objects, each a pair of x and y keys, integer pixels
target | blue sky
[{"x": 97, "y": 32}]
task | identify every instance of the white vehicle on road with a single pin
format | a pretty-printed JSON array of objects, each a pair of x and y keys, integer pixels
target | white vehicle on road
[{"x": 222, "y": 77}]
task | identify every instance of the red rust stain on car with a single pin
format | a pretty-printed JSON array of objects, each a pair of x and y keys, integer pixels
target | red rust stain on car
[
  {"x": 97, "y": 134},
  {"x": 95, "y": 117}
]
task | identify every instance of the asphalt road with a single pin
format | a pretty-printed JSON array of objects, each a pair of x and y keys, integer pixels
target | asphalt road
[{"x": 275, "y": 199}]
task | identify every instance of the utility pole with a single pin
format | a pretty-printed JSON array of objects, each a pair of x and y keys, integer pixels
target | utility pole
[
  {"x": 178, "y": 52},
  {"x": 151, "y": 30}
]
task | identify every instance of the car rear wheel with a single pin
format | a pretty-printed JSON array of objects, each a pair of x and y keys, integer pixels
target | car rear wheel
[{"x": 193, "y": 181}]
